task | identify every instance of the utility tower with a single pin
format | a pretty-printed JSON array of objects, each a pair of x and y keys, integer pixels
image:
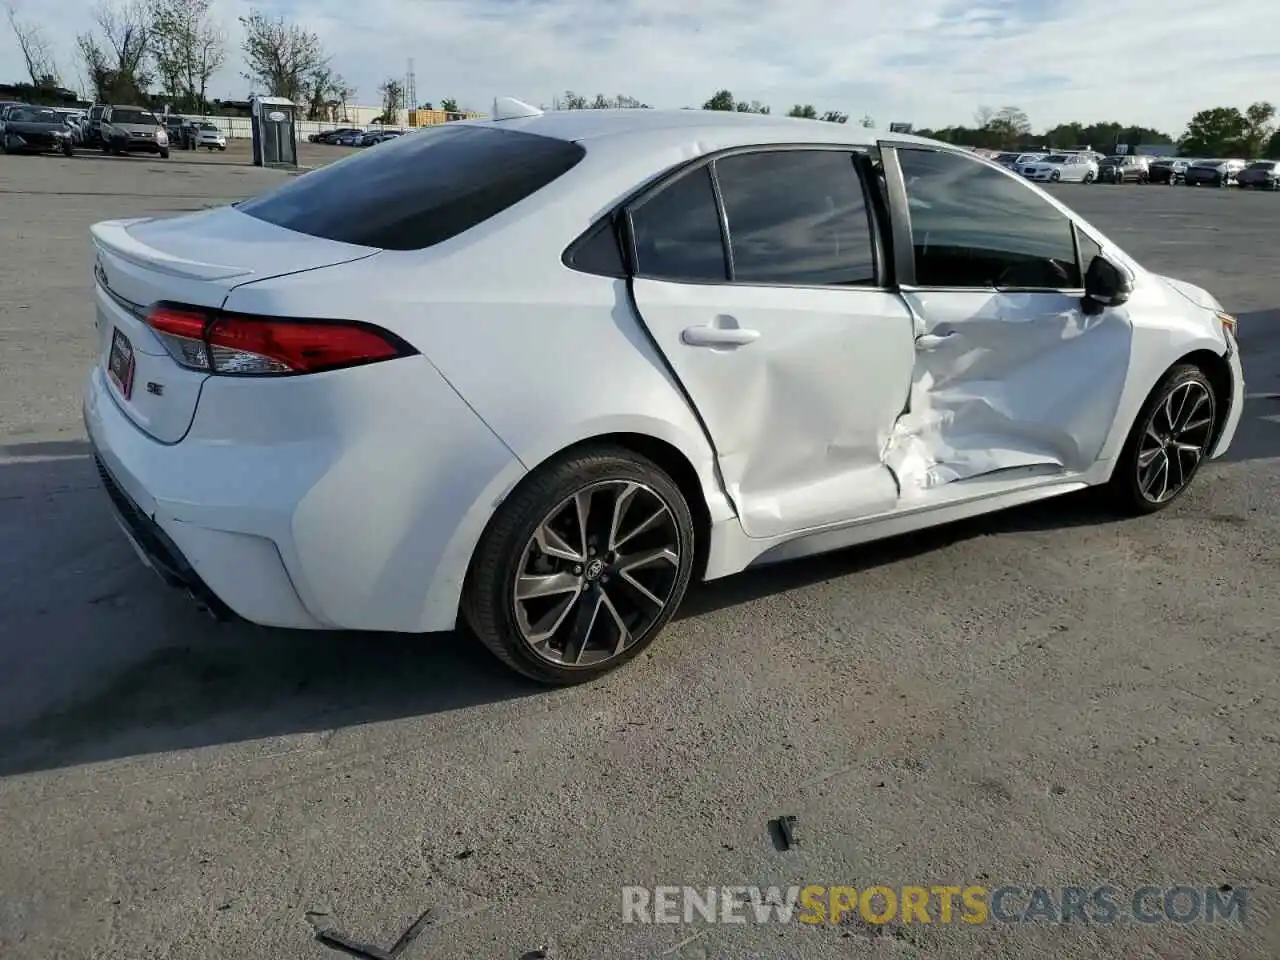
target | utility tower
[{"x": 410, "y": 88}]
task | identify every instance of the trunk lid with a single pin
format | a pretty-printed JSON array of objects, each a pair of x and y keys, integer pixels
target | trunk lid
[{"x": 195, "y": 260}]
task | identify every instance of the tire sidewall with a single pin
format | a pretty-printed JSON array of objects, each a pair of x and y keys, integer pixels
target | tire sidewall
[{"x": 488, "y": 605}]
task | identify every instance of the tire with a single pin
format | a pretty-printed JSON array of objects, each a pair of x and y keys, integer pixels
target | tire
[
  {"x": 220, "y": 149},
  {"x": 68, "y": 151},
  {"x": 1089, "y": 177},
  {"x": 509, "y": 546},
  {"x": 164, "y": 154},
  {"x": 1125, "y": 488},
  {"x": 1055, "y": 176}
]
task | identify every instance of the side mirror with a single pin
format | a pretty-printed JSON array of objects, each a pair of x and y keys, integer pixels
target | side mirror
[{"x": 1106, "y": 284}]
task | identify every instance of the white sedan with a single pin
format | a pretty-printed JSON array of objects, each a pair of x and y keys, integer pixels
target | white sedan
[
  {"x": 535, "y": 374},
  {"x": 1064, "y": 167}
]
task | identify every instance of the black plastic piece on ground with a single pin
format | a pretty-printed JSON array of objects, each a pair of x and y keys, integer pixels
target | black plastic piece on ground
[
  {"x": 341, "y": 942},
  {"x": 785, "y": 832}
]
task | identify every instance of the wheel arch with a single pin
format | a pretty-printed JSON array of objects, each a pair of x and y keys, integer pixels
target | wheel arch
[
  {"x": 666, "y": 455},
  {"x": 1218, "y": 372}
]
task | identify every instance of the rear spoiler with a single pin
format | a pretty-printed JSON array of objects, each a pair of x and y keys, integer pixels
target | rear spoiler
[{"x": 113, "y": 237}]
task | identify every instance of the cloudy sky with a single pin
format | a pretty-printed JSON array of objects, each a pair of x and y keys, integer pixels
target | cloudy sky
[{"x": 930, "y": 62}]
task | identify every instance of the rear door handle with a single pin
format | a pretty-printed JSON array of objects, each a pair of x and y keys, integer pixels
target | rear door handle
[
  {"x": 929, "y": 340},
  {"x": 708, "y": 336}
]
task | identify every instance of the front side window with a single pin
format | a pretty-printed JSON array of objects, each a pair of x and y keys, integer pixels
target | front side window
[
  {"x": 677, "y": 231},
  {"x": 974, "y": 226},
  {"x": 797, "y": 217}
]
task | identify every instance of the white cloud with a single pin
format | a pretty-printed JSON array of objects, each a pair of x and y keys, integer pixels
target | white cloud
[{"x": 931, "y": 62}]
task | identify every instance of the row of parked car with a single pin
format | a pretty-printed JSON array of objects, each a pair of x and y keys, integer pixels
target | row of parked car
[
  {"x": 1086, "y": 166},
  {"x": 114, "y": 129},
  {"x": 355, "y": 136}
]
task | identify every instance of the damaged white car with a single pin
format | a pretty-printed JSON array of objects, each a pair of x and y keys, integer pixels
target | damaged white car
[{"x": 595, "y": 355}]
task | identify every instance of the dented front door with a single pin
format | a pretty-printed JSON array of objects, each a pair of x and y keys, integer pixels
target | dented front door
[{"x": 1011, "y": 378}]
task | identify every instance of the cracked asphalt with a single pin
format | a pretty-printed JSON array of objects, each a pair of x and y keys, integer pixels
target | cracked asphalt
[{"x": 1044, "y": 697}]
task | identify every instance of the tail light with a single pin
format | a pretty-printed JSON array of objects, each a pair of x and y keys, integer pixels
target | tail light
[{"x": 230, "y": 344}]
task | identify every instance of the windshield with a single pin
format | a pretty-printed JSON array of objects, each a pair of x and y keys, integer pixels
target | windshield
[
  {"x": 34, "y": 115},
  {"x": 1263, "y": 165},
  {"x": 1208, "y": 163},
  {"x": 1056, "y": 158},
  {"x": 133, "y": 116},
  {"x": 208, "y": 126},
  {"x": 1008, "y": 156}
]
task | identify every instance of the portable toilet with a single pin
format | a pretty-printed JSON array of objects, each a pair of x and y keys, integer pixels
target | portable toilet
[{"x": 275, "y": 136}]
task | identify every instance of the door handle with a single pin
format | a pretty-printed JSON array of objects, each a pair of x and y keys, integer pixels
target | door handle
[
  {"x": 930, "y": 340},
  {"x": 708, "y": 336}
]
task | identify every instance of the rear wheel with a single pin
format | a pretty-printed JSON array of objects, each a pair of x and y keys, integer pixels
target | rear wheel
[
  {"x": 582, "y": 567},
  {"x": 1089, "y": 177},
  {"x": 1169, "y": 441},
  {"x": 1055, "y": 176}
]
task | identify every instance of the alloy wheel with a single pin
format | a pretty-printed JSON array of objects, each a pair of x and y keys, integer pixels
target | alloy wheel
[
  {"x": 1175, "y": 440},
  {"x": 597, "y": 574}
]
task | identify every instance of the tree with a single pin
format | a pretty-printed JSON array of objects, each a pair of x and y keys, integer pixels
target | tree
[
  {"x": 326, "y": 95},
  {"x": 835, "y": 116},
  {"x": 280, "y": 56},
  {"x": 1009, "y": 123},
  {"x": 755, "y": 106},
  {"x": 36, "y": 52},
  {"x": 1213, "y": 133},
  {"x": 1258, "y": 127},
  {"x": 392, "y": 99},
  {"x": 576, "y": 101},
  {"x": 115, "y": 60},
  {"x": 805, "y": 111},
  {"x": 982, "y": 117},
  {"x": 187, "y": 48},
  {"x": 449, "y": 105},
  {"x": 1273, "y": 148},
  {"x": 721, "y": 100}
]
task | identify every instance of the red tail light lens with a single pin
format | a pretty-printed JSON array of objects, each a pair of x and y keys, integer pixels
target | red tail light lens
[{"x": 237, "y": 345}]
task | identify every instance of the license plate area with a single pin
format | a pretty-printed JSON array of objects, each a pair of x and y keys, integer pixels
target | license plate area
[{"x": 121, "y": 363}]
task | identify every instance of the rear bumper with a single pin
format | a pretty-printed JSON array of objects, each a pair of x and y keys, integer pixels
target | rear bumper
[
  {"x": 156, "y": 549},
  {"x": 346, "y": 500}
]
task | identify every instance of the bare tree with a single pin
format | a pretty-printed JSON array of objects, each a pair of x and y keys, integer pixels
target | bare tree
[
  {"x": 392, "y": 91},
  {"x": 281, "y": 56},
  {"x": 115, "y": 58},
  {"x": 35, "y": 51},
  {"x": 982, "y": 117},
  {"x": 187, "y": 47}
]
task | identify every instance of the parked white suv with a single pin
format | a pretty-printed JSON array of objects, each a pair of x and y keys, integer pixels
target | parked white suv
[{"x": 210, "y": 137}]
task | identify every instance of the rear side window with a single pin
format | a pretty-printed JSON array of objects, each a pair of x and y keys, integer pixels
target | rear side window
[
  {"x": 418, "y": 190},
  {"x": 677, "y": 231}
]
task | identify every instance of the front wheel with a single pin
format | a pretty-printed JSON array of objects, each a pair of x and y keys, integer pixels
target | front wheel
[
  {"x": 68, "y": 151},
  {"x": 1089, "y": 177},
  {"x": 164, "y": 154},
  {"x": 1169, "y": 441},
  {"x": 581, "y": 567},
  {"x": 1055, "y": 176}
]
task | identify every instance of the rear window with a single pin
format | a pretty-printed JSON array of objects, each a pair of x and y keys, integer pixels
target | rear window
[
  {"x": 1263, "y": 165},
  {"x": 418, "y": 190}
]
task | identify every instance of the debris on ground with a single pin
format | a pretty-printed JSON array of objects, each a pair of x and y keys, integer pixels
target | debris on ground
[
  {"x": 339, "y": 941},
  {"x": 785, "y": 830}
]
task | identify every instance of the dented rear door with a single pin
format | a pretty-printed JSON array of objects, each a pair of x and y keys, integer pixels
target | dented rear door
[{"x": 798, "y": 366}]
